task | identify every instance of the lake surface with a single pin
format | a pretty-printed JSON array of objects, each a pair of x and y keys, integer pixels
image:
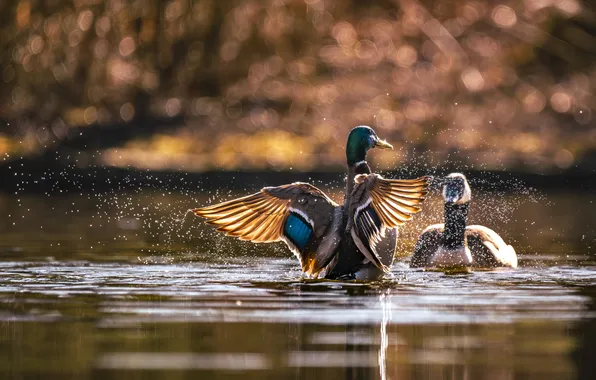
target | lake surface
[{"x": 120, "y": 286}]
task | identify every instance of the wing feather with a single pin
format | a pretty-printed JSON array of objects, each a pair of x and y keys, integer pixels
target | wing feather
[
  {"x": 488, "y": 249},
  {"x": 392, "y": 201},
  {"x": 262, "y": 218}
]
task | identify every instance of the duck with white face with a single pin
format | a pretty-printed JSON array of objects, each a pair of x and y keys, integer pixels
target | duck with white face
[{"x": 454, "y": 245}]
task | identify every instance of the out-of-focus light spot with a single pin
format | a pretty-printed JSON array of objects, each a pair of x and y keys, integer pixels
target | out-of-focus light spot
[
  {"x": 416, "y": 110},
  {"x": 564, "y": 159},
  {"x": 17, "y": 54},
  {"x": 345, "y": 34},
  {"x": 568, "y": 7},
  {"x": 257, "y": 73},
  {"x": 322, "y": 21},
  {"x": 102, "y": 27},
  {"x": 561, "y": 101},
  {"x": 472, "y": 79},
  {"x": 536, "y": 5},
  {"x": 328, "y": 94},
  {"x": 402, "y": 76},
  {"x": 36, "y": 44},
  {"x": 60, "y": 72},
  {"x": 127, "y": 46},
  {"x": 229, "y": 51},
  {"x": 527, "y": 143},
  {"x": 85, "y": 20},
  {"x": 5, "y": 146},
  {"x": 75, "y": 38},
  {"x": 52, "y": 26},
  {"x": 18, "y": 94},
  {"x": 201, "y": 106},
  {"x": 386, "y": 119},
  {"x": 367, "y": 50},
  {"x": 482, "y": 44},
  {"x": 267, "y": 118},
  {"x": 43, "y": 135},
  {"x": 534, "y": 101},
  {"x": 274, "y": 65},
  {"x": 122, "y": 71},
  {"x": 23, "y": 13},
  {"x": 504, "y": 16},
  {"x": 69, "y": 23},
  {"x": 173, "y": 107},
  {"x": 300, "y": 68},
  {"x": 28, "y": 65},
  {"x": 8, "y": 74},
  {"x": 471, "y": 13},
  {"x": 234, "y": 109},
  {"x": 406, "y": 56},
  {"x": 90, "y": 115},
  {"x": 127, "y": 111},
  {"x": 173, "y": 10},
  {"x": 275, "y": 90},
  {"x": 454, "y": 27}
]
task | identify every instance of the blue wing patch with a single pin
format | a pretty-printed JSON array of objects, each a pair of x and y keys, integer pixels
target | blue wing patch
[{"x": 297, "y": 230}]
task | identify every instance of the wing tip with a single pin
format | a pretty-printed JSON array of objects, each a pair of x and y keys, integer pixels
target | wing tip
[{"x": 199, "y": 211}]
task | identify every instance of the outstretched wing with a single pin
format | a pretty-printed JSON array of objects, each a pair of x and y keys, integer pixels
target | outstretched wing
[
  {"x": 488, "y": 248},
  {"x": 377, "y": 203},
  {"x": 298, "y": 214}
]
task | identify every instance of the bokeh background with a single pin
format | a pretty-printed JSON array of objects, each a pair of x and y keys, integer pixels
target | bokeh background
[{"x": 200, "y": 85}]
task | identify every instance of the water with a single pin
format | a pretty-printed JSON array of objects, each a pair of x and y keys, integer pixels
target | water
[{"x": 114, "y": 286}]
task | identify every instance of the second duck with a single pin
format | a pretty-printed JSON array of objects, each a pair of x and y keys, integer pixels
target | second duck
[{"x": 454, "y": 245}]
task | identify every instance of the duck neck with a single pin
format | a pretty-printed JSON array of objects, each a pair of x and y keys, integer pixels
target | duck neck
[
  {"x": 353, "y": 170},
  {"x": 455, "y": 225}
]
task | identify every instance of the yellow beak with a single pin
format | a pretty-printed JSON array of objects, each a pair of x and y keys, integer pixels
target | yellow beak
[{"x": 383, "y": 145}]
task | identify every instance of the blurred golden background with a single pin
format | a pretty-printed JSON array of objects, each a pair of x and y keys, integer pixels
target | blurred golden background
[{"x": 203, "y": 85}]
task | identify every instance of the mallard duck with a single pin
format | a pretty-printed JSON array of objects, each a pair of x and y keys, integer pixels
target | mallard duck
[
  {"x": 354, "y": 240},
  {"x": 453, "y": 245}
]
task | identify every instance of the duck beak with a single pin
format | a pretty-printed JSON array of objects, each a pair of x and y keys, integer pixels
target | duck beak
[{"x": 383, "y": 144}]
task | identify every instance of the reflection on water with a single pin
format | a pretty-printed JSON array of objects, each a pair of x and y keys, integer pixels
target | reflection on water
[{"x": 112, "y": 287}]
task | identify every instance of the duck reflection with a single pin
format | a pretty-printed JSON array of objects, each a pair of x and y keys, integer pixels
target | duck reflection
[{"x": 386, "y": 350}]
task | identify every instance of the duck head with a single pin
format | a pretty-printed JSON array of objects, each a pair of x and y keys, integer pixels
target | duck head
[
  {"x": 456, "y": 190},
  {"x": 360, "y": 140}
]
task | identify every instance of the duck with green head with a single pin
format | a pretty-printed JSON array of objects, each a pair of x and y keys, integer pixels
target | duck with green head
[{"x": 354, "y": 240}]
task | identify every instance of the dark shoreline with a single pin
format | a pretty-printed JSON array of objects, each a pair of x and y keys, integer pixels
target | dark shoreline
[{"x": 33, "y": 177}]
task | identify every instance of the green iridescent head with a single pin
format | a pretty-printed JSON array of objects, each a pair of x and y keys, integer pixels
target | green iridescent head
[{"x": 360, "y": 140}]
